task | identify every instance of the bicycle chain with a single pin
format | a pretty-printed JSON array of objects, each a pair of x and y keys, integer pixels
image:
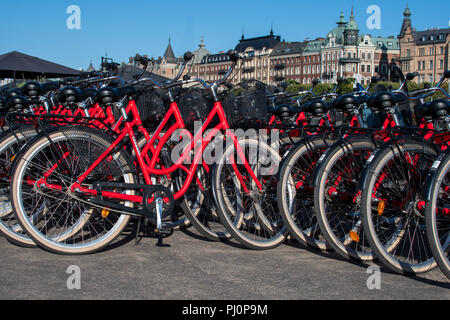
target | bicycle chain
[{"x": 73, "y": 196}]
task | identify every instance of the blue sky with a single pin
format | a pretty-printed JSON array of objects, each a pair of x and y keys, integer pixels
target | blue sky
[{"x": 124, "y": 28}]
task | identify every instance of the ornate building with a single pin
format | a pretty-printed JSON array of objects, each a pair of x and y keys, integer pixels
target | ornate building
[
  {"x": 343, "y": 52},
  {"x": 347, "y": 53},
  {"x": 425, "y": 52}
]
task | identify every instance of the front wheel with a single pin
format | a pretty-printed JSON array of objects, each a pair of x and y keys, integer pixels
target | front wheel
[
  {"x": 55, "y": 218},
  {"x": 437, "y": 216},
  {"x": 336, "y": 193},
  {"x": 392, "y": 207},
  {"x": 296, "y": 191},
  {"x": 11, "y": 142}
]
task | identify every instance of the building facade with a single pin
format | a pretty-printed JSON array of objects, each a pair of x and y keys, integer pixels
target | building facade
[{"x": 425, "y": 52}]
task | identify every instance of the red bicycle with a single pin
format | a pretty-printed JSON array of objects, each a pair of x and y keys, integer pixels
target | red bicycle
[{"x": 75, "y": 189}]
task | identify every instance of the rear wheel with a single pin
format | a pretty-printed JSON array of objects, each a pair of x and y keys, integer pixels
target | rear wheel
[{"x": 250, "y": 215}]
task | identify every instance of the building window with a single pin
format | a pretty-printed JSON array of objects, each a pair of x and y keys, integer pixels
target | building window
[
  {"x": 431, "y": 64},
  {"x": 363, "y": 68},
  {"x": 407, "y": 66},
  {"x": 421, "y": 52},
  {"x": 368, "y": 68},
  {"x": 408, "y": 52},
  {"x": 442, "y": 50},
  {"x": 364, "y": 56},
  {"x": 441, "y": 64}
]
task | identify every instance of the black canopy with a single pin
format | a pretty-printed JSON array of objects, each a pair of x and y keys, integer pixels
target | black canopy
[{"x": 16, "y": 65}]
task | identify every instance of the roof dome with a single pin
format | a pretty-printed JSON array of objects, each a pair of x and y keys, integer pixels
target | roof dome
[
  {"x": 200, "y": 52},
  {"x": 338, "y": 33},
  {"x": 407, "y": 12}
]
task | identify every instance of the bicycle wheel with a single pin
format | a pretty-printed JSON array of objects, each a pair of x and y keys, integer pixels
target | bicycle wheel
[
  {"x": 200, "y": 209},
  {"x": 437, "y": 215},
  {"x": 249, "y": 214},
  {"x": 391, "y": 205},
  {"x": 10, "y": 144},
  {"x": 295, "y": 191},
  {"x": 55, "y": 218},
  {"x": 336, "y": 202}
]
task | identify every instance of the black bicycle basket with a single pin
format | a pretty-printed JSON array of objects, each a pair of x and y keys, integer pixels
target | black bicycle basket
[
  {"x": 152, "y": 105},
  {"x": 195, "y": 104},
  {"x": 246, "y": 105}
]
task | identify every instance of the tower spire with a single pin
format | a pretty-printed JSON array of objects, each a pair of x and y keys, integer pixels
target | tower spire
[{"x": 406, "y": 21}]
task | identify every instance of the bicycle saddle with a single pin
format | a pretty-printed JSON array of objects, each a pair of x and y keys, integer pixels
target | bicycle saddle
[
  {"x": 282, "y": 111},
  {"x": 16, "y": 103},
  {"x": 346, "y": 102},
  {"x": 32, "y": 89},
  {"x": 13, "y": 93},
  {"x": 316, "y": 107},
  {"x": 108, "y": 95},
  {"x": 434, "y": 109},
  {"x": 69, "y": 95},
  {"x": 381, "y": 101}
]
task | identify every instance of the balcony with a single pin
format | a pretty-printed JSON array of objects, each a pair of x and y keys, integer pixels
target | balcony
[
  {"x": 248, "y": 70},
  {"x": 407, "y": 58},
  {"x": 279, "y": 66},
  {"x": 349, "y": 60}
]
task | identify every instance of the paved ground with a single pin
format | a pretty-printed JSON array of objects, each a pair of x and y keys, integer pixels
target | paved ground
[{"x": 192, "y": 268}]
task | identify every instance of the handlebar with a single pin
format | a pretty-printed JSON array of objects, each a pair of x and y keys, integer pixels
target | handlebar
[{"x": 234, "y": 57}]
